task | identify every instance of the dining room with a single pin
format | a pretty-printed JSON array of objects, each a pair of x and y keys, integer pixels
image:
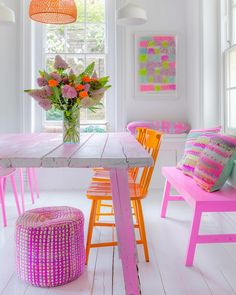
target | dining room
[{"x": 117, "y": 147}]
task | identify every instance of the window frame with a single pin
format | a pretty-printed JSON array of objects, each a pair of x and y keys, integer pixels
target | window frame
[
  {"x": 38, "y": 46},
  {"x": 228, "y": 44}
]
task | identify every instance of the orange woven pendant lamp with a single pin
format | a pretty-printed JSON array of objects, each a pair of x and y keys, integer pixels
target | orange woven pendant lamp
[{"x": 53, "y": 11}]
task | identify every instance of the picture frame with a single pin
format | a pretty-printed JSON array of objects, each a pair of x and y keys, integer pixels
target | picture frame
[{"x": 156, "y": 64}]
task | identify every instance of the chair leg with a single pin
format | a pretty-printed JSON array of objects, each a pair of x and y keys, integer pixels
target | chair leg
[
  {"x": 193, "y": 237},
  {"x": 165, "y": 199},
  {"x": 2, "y": 201},
  {"x": 20, "y": 171},
  {"x": 29, "y": 174},
  {"x": 15, "y": 194},
  {"x": 35, "y": 181},
  {"x": 92, "y": 218},
  {"x": 98, "y": 211},
  {"x": 142, "y": 229}
]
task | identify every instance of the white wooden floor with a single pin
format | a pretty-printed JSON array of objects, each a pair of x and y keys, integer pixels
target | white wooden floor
[{"x": 214, "y": 271}]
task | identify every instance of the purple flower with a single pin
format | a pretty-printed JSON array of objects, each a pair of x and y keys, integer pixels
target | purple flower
[
  {"x": 99, "y": 91},
  {"x": 55, "y": 76},
  {"x": 38, "y": 94},
  {"x": 45, "y": 104},
  {"x": 60, "y": 63},
  {"x": 86, "y": 87},
  {"x": 69, "y": 92},
  {"x": 48, "y": 90},
  {"x": 42, "y": 81},
  {"x": 71, "y": 73}
]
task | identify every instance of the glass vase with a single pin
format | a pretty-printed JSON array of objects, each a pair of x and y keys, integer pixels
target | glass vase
[{"x": 71, "y": 126}]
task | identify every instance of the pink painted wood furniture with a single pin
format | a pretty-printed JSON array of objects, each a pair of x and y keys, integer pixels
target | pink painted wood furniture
[
  {"x": 116, "y": 151},
  {"x": 6, "y": 173},
  {"x": 201, "y": 201}
]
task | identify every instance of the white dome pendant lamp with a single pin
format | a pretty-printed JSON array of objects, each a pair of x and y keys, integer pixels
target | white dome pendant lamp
[
  {"x": 7, "y": 15},
  {"x": 131, "y": 15}
]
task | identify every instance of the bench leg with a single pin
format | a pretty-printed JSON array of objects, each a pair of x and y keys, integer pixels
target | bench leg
[
  {"x": 193, "y": 237},
  {"x": 165, "y": 199}
]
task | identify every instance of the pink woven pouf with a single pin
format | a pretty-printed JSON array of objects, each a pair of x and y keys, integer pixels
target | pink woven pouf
[{"x": 50, "y": 246}]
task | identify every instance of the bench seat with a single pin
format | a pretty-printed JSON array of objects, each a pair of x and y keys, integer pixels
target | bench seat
[{"x": 201, "y": 201}]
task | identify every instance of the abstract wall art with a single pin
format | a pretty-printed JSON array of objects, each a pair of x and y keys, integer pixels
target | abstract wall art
[{"x": 155, "y": 64}]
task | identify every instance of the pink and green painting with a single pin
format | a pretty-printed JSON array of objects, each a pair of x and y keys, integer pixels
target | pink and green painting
[{"x": 156, "y": 60}]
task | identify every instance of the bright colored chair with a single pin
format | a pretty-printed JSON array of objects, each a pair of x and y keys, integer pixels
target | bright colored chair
[
  {"x": 32, "y": 182},
  {"x": 6, "y": 173},
  {"x": 103, "y": 174},
  {"x": 100, "y": 191}
]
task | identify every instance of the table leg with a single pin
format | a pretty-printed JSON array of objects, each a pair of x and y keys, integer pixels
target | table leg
[{"x": 125, "y": 230}]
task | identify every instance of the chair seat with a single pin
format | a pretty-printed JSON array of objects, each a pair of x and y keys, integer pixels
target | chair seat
[
  {"x": 104, "y": 175},
  {"x": 4, "y": 172},
  {"x": 102, "y": 191}
]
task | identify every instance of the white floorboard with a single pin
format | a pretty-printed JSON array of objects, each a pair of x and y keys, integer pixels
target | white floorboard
[{"x": 213, "y": 273}]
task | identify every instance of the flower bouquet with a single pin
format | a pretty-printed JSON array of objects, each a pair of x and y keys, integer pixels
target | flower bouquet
[{"x": 63, "y": 90}]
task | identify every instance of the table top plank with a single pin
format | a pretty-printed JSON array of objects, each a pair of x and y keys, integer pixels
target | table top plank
[
  {"x": 27, "y": 150},
  {"x": 90, "y": 153},
  {"x": 61, "y": 156},
  {"x": 111, "y": 150}
]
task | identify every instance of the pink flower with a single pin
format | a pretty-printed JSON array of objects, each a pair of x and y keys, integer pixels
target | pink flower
[
  {"x": 60, "y": 63},
  {"x": 45, "y": 104},
  {"x": 86, "y": 87},
  {"x": 42, "y": 81},
  {"x": 38, "y": 94},
  {"x": 48, "y": 90},
  {"x": 69, "y": 92},
  {"x": 55, "y": 76},
  {"x": 99, "y": 91},
  {"x": 87, "y": 102}
]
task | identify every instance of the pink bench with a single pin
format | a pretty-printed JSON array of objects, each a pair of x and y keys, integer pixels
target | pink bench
[{"x": 201, "y": 201}]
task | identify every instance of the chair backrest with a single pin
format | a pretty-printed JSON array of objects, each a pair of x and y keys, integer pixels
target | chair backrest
[
  {"x": 141, "y": 136},
  {"x": 152, "y": 144}
]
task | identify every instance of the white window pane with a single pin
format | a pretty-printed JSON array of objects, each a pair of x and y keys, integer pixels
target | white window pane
[
  {"x": 80, "y": 11},
  {"x": 55, "y": 39},
  {"x": 76, "y": 63},
  {"x": 232, "y": 109},
  {"x": 75, "y": 38},
  {"x": 95, "y": 11},
  {"x": 95, "y": 38},
  {"x": 234, "y": 25}
]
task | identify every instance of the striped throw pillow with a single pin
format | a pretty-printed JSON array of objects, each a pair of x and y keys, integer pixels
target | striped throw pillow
[
  {"x": 192, "y": 155},
  {"x": 192, "y": 137},
  {"x": 215, "y": 163}
]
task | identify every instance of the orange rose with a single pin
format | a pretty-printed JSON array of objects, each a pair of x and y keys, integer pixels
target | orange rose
[
  {"x": 83, "y": 94},
  {"x": 79, "y": 87},
  {"x": 52, "y": 83},
  {"x": 86, "y": 79}
]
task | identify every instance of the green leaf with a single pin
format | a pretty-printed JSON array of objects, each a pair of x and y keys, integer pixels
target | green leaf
[
  {"x": 90, "y": 69},
  {"x": 27, "y": 90}
]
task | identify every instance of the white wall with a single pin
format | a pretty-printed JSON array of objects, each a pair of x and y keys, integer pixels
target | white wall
[
  {"x": 163, "y": 16},
  {"x": 9, "y": 75}
]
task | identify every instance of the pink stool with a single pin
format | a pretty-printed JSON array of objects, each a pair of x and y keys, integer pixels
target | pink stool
[
  {"x": 50, "y": 246},
  {"x": 4, "y": 174}
]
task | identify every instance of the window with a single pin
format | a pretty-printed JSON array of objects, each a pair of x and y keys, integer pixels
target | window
[
  {"x": 230, "y": 95},
  {"x": 90, "y": 38},
  {"x": 229, "y": 103}
]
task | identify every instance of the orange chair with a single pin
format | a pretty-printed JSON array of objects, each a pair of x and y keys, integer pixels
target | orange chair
[
  {"x": 100, "y": 191},
  {"x": 103, "y": 175}
]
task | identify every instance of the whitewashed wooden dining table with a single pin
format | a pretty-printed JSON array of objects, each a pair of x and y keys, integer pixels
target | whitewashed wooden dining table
[{"x": 116, "y": 151}]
